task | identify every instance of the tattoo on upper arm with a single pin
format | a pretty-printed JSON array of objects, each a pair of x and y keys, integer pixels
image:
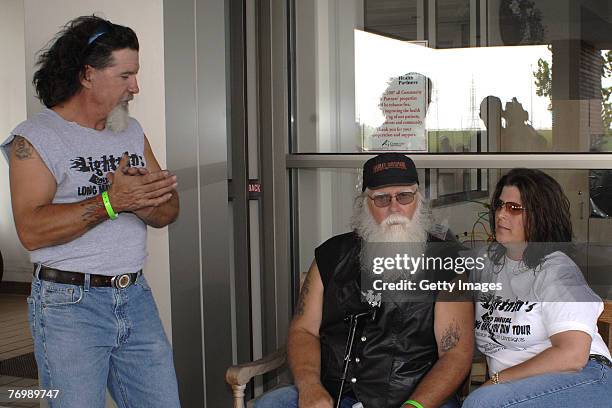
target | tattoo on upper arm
[
  {"x": 23, "y": 148},
  {"x": 303, "y": 293},
  {"x": 92, "y": 213},
  {"x": 450, "y": 337}
]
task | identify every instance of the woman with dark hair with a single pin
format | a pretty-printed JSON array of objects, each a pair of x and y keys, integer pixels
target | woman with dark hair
[{"x": 538, "y": 331}]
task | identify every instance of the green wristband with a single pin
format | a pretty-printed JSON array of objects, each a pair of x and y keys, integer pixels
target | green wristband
[
  {"x": 109, "y": 209},
  {"x": 413, "y": 403}
]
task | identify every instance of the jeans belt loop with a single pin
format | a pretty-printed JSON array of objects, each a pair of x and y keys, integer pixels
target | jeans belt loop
[
  {"x": 87, "y": 282},
  {"x": 37, "y": 270}
]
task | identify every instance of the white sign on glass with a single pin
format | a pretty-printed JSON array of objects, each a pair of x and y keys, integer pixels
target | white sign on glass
[{"x": 404, "y": 106}]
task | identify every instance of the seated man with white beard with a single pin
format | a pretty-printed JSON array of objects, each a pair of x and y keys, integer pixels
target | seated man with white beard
[
  {"x": 410, "y": 354},
  {"x": 84, "y": 186}
]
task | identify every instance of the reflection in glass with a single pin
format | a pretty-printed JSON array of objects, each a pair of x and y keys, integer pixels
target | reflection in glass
[
  {"x": 477, "y": 79},
  {"x": 525, "y": 62},
  {"x": 327, "y": 197}
]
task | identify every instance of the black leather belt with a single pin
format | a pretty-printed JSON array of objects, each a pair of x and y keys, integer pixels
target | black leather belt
[
  {"x": 78, "y": 278},
  {"x": 601, "y": 360}
]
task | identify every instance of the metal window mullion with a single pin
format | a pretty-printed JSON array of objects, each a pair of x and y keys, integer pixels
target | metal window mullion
[
  {"x": 274, "y": 135},
  {"x": 567, "y": 161},
  {"x": 239, "y": 156}
]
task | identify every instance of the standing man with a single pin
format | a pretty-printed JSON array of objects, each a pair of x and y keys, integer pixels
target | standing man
[{"x": 84, "y": 186}]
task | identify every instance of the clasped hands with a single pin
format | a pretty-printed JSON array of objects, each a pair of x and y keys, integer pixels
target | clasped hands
[{"x": 135, "y": 188}]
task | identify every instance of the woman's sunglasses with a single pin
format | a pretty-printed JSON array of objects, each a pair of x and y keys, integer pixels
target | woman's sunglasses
[
  {"x": 511, "y": 207},
  {"x": 384, "y": 200}
]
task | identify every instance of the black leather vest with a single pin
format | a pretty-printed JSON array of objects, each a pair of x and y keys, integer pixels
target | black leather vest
[{"x": 391, "y": 353}]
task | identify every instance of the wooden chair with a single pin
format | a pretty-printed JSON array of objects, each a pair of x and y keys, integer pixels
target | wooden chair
[
  {"x": 238, "y": 376},
  {"x": 604, "y": 324}
]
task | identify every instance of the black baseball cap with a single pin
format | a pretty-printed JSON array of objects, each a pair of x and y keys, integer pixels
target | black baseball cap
[{"x": 389, "y": 169}]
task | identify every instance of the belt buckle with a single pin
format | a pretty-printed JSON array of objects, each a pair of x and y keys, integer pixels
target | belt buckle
[{"x": 121, "y": 281}]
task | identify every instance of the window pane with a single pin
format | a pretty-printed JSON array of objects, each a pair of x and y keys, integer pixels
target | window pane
[
  {"x": 326, "y": 198},
  {"x": 452, "y": 23},
  {"x": 453, "y": 76}
]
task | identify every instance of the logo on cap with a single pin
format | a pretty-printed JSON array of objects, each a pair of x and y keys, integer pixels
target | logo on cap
[{"x": 389, "y": 165}]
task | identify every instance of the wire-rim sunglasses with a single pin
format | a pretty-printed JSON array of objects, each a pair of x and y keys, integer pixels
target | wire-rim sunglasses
[
  {"x": 384, "y": 200},
  {"x": 511, "y": 207}
]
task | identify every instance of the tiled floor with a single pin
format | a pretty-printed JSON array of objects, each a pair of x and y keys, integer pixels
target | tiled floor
[{"x": 15, "y": 340}]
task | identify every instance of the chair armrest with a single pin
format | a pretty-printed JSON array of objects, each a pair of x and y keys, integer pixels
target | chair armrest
[
  {"x": 604, "y": 324},
  {"x": 241, "y": 374},
  {"x": 606, "y": 315}
]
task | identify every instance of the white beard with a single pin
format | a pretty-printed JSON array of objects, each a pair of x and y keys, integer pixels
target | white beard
[
  {"x": 119, "y": 118},
  {"x": 397, "y": 234}
]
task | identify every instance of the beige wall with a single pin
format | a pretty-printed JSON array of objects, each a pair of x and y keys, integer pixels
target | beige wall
[
  {"x": 12, "y": 111},
  {"x": 44, "y": 18}
]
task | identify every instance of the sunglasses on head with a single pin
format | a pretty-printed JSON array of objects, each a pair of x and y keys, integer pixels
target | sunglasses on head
[
  {"x": 511, "y": 207},
  {"x": 384, "y": 200}
]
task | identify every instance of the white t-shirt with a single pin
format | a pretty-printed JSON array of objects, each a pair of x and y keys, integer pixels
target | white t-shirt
[{"x": 515, "y": 323}]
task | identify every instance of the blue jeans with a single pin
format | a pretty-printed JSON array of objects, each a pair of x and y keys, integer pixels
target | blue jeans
[
  {"x": 89, "y": 338},
  {"x": 287, "y": 397},
  {"x": 590, "y": 387}
]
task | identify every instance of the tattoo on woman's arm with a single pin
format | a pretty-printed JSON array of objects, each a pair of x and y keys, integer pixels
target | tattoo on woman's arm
[
  {"x": 23, "y": 148},
  {"x": 450, "y": 337}
]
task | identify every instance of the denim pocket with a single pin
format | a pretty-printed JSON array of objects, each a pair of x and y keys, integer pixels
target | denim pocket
[
  {"x": 59, "y": 294},
  {"x": 142, "y": 282},
  {"x": 32, "y": 315}
]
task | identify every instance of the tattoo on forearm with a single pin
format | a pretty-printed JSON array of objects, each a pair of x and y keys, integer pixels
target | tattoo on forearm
[
  {"x": 23, "y": 148},
  {"x": 302, "y": 299},
  {"x": 92, "y": 213},
  {"x": 450, "y": 337}
]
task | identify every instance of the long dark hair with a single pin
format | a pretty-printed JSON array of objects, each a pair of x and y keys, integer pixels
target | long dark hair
[
  {"x": 86, "y": 40},
  {"x": 547, "y": 218}
]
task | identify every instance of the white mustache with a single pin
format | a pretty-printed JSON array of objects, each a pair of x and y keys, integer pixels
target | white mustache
[
  {"x": 395, "y": 228},
  {"x": 395, "y": 219}
]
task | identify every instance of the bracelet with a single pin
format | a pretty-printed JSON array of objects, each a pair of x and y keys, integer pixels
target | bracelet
[
  {"x": 413, "y": 403},
  {"x": 109, "y": 209},
  {"x": 495, "y": 378}
]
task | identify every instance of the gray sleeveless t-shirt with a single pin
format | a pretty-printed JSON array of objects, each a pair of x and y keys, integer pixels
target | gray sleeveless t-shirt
[{"x": 79, "y": 158}]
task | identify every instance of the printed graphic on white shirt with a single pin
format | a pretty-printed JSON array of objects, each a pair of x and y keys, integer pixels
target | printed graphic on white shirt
[{"x": 503, "y": 323}]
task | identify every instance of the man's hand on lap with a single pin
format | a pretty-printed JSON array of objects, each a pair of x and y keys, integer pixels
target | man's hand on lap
[{"x": 314, "y": 396}]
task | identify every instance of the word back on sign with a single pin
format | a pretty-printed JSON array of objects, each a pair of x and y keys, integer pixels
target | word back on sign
[{"x": 254, "y": 189}]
